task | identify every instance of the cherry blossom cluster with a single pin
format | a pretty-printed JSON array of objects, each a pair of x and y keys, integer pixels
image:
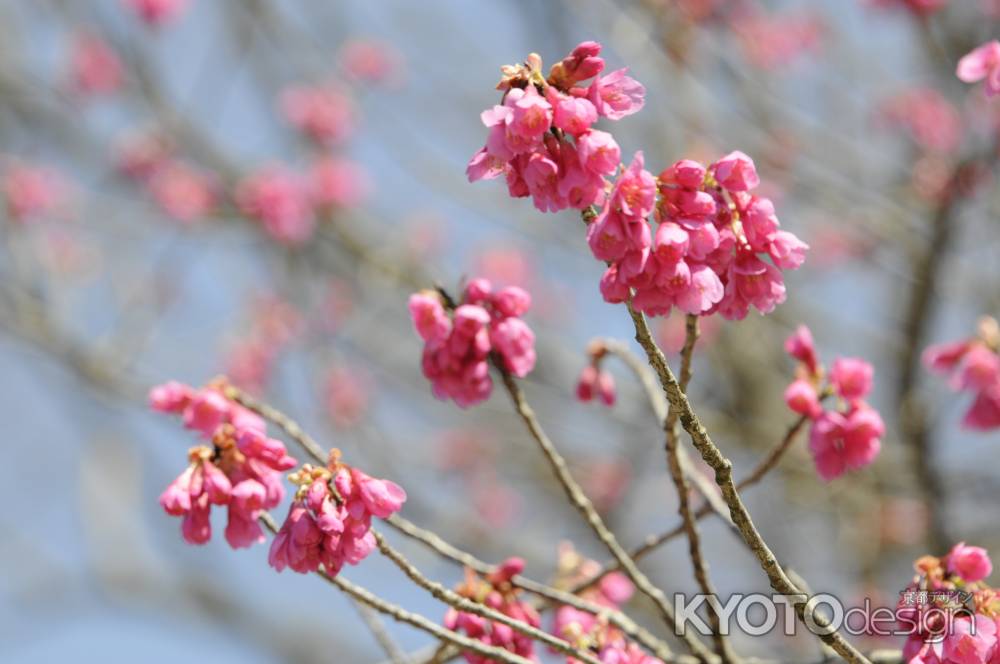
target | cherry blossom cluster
[
  {"x": 951, "y": 614},
  {"x": 329, "y": 522},
  {"x": 716, "y": 247},
  {"x": 585, "y": 630},
  {"x": 595, "y": 381},
  {"x": 239, "y": 467},
  {"x": 708, "y": 251},
  {"x": 974, "y": 365},
  {"x": 541, "y": 137},
  {"x": 495, "y": 591},
  {"x": 841, "y": 439},
  {"x": 458, "y": 342}
]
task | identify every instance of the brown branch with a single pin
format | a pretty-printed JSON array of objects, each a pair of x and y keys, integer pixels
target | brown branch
[
  {"x": 672, "y": 446},
  {"x": 583, "y": 505},
  {"x": 723, "y": 468}
]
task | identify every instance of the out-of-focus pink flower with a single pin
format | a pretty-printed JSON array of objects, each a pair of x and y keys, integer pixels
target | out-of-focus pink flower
[
  {"x": 975, "y": 366},
  {"x": 347, "y": 394},
  {"x": 323, "y": 114},
  {"x": 982, "y": 63},
  {"x": 801, "y": 398},
  {"x": 515, "y": 342},
  {"x": 369, "y": 60},
  {"x": 31, "y": 191},
  {"x": 94, "y": 67},
  {"x": 183, "y": 192},
  {"x": 338, "y": 182},
  {"x": 800, "y": 345},
  {"x": 851, "y": 377},
  {"x": 278, "y": 199},
  {"x": 250, "y": 363},
  {"x": 157, "y": 13},
  {"x": 605, "y": 481},
  {"x": 777, "y": 40},
  {"x": 931, "y": 120},
  {"x": 972, "y": 563},
  {"x": 139, "y": 155}
]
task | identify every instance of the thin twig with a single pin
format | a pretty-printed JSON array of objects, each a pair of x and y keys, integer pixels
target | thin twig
[
  {"x": 580, "y": 501},
  {"x": 723, "y": 468},
  {"x": 672, "y": 446},
  {"x": 456, "y": 601}
]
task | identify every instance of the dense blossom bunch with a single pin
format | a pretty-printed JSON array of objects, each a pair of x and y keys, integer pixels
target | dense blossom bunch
[
  {"x": 951, "y": 615},
  {"x": 585, "y": 630},
  {"x": 541, "y": 137},
  {"x": 240, "y": 468},
  {"x": 329, "y": 522},
  {"x": 708, "y": 251},
  {"x": 94, "y": 67},
  {"x": 982, "y": 63},
  {"x": 496, "y": 592},
  {"x": 595, "y": 381},
  {"x": 458, "y": 342},
  {"x": 974, "y": 365},
  {"x": 842, "y": 439}
]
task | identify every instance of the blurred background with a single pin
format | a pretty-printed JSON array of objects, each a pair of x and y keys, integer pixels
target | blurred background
[{"x": 136, "y": 139}]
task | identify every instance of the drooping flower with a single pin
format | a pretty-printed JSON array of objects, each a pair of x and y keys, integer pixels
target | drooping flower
[
  {"x": 241, "y": 470},
  {"x": 458, "y": 344},
  {"x": 982, "y": 63}
]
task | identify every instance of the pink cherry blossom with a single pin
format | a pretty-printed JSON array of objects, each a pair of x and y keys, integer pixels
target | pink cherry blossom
[
  {"x": 845, "y": 441},
  {"x": 338, "y": 182},
  {"x": 279, "y": 200},
  {"x": 157, "y": 13},
  {"x": 183, "y": 192},
  {"x": 323, "y": 114},
  {"x": 94, "y": 67},
  {"x": 974, "y": 365},
  {"x": 801, "y": 398},
  {"x": 616, "y": 95},
  {"x": 851, "y": 377},
  {"x": 983, "y": 62},
  {"x": 582, "y": 64},
  {"x": 735, "y": 172},
  {"x": 800, "y": 345},
  {"x": 31, "y": 191},
  {"x": 574, "y": 115},
  {"x": 972, "y": 563}
]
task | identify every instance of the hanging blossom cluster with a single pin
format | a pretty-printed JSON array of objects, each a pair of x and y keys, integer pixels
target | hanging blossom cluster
[
  {"x": 841, "y": 439},
  {"x": 458, "y": 340},
  {"x": 329, "y": 522},
  {"x": 716, "y": 246},
  {"x": 238, "y": 467},
  {"x": 950, "y": 613},
  {"x": 594, "y": 381},
  {"x": 498, "y": 593},
  {"x": 541, "y": 137},
  {"x": 974, "y": 365},
  {"x": 586, "y": 631}
]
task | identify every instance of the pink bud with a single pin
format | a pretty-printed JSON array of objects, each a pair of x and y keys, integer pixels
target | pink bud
[
  {"x": 478, "y": 290},
  {"x": 800, "y": 346},
  {"x": 801, "y": 398},
  {"x": 206, "y": 411},
  {"x": 429, "y": 317},
  {"x": 972, "y": 563},
  {"x": 216, "y": 484},
  {"x": 176, "y": 498},
  {"x": 736, "y": 172},
  {"x": 512, "y": 301},
  {"x": 171, "y": 397},
  {"x": 606, "y": 388},
  {"x": 586, "y": 384}
]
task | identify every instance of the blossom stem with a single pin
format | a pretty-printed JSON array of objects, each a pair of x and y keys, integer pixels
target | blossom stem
[
  {"x": 398, "y": 613},
  {"x": 586, "y": 508},
  {"x": 690, "y": 524},
  {"x": 723, "y": 468},
  {"x": 456, "y": 601}
]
